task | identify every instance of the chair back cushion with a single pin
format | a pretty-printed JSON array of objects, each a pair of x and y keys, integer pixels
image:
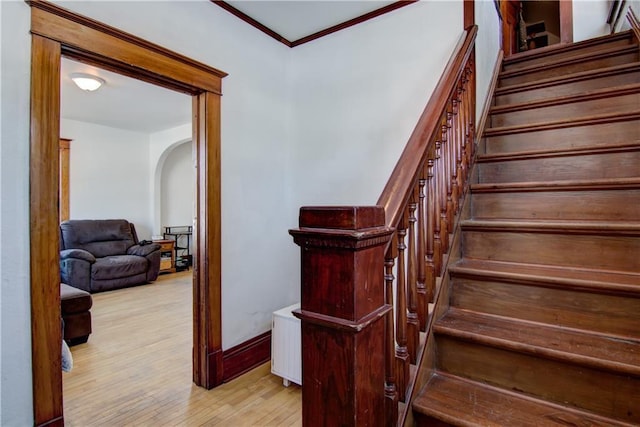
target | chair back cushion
[{"x": 101, "y": 237}]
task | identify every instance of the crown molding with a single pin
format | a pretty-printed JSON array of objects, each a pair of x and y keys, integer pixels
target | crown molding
[{"x": 330, "y": 30}]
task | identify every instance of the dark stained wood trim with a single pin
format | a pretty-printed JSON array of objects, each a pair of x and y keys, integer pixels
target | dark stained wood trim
[
  {"x": 107, "y": 30},
  {"x": 469, "y": 13},
  {"x": 46, "y": 333},
  {"x": 56, "y": 31},
  {"x": 634, "y": 22},
  {"x": 566, "y": 21},
  {"x": 249, "y": 20},
  {"x": 484, "y": 114},
  {"x": 358, "y": 20},
  {"x": 354, "y": 21},
  {"x": 246, "y": 356}
]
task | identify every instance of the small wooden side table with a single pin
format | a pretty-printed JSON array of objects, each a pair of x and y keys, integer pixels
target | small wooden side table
[{"x": 167, "y": 255}]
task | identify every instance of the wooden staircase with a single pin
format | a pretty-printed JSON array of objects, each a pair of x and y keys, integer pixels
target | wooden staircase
[{"x": 538, "y": 320}]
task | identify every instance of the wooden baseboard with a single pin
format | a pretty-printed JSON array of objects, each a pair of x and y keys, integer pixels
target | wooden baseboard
[
  {"x": 488, "y": 102},
  {"x": 246, "y": 356}
]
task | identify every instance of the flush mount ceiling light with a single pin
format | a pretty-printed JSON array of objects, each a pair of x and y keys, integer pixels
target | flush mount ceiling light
[{"x": 87, "y": 81}]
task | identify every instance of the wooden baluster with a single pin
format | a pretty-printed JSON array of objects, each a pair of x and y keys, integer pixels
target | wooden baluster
[
  {"x": 472, "y": 102},
  {"x": 451, "y": 165},
  {"x": 432, "y": 215},
  {"x": 390, "y": 390},
  {"x": 455, "y": 141},
  {"x": 462, "y": 136},
  {"x": 422, "y": 260},
  {"x": 443, "y": 177},
  {"x": 402, "y": 353},
  {"x": 413, "y": 324},
  {"x": 435, "y": 214}
]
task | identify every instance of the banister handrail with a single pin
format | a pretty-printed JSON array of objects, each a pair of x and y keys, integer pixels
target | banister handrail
[{"x": 401, "y": 182}]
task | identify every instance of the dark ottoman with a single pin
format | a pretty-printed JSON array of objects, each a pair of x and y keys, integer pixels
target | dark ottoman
[{"x": 75, "y": 305}]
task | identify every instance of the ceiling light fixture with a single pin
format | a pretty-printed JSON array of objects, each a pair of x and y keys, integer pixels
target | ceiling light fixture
[{"x": 87, "y": 81}]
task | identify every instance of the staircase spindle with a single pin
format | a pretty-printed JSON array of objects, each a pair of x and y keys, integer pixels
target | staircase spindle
[
  {"x": 422, "y": 260},
  {"x": 432, "y": 245},
  {"x": 413, "y": 324},
  {"x": 402, "y": 353},
  {"x": 390, "y": 390},
  {"x": 443, "y": 174}
]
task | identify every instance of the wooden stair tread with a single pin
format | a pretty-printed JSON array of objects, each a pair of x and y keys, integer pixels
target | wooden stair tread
[
  {"x": 534, "y": 154},
  {"x": 463, "y": 402},
  {"x": 572, "y": 346},
  {"x": 565, "y": 185},
  {"x": 568, "y": 99},
  {"x": 557, "y": 226},
  {"x": 561, "y": 62},
  {"x": 547, "y": 275},
  {"x": 561, "y": 48},
  {"x": 568, "y": 78},
  {"x": 563, "y": 123}
]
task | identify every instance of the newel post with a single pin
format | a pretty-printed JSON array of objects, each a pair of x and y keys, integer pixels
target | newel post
[{"x": 342, "y": 314}]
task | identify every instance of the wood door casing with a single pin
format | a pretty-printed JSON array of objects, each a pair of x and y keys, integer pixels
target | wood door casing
[
  {"x": 64, "y": 156},
  {"x": 57, "y": 32}
]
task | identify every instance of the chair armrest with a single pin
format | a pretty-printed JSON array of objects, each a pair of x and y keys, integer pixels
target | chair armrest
[
  {"x": 78, "y": 254},
  {"x": 143, "y": 250}
]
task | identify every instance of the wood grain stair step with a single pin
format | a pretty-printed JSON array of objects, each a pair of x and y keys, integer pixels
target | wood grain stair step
[
  {"x": 593, "y": 164},
  {"x": 566, "y": 185},
  {"x": 566, "y": 79},
  {"x": 563, "y": 123},
  {"x": 531, "y": 57},
  {"x": 587, "y": 134},
  {"x": 596, "y": 94},
  {"x": 463, "y": 402},
  {"x": 611, "y": 228},
  {"x": 560, "y": 152},
  {"x": 605, "y": 245},
  {"x": 549, "y": 276},
  {"x": 589, "y": 200},
  {"x": 559, "y": 66},
  {"x": 601, "y": 101},
  {"x": 570, "y": 346},
  {"x": 602, "y": 302}
]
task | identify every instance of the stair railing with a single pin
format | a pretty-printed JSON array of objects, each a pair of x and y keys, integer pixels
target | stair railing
[{"x": 358, "y": 338}]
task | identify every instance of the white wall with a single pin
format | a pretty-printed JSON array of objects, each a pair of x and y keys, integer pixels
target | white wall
[
  {"x": 177, "y": 186},
  {"x": 590, "y": 19},
  {"x": 15, "y": 54},
  {"x": 161, "y": 144},
  {"x": 487, "y": 49},
  {"x": 358, "y": 95},
  {"x": 109, "y": 174},
  {"x": 260, "y": 271}
]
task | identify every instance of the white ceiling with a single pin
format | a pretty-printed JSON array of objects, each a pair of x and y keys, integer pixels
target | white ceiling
[
  {"x": 294, "y": 20},
  {"x": 122, "y": 102},
  {"x": 131, "y": 104}
]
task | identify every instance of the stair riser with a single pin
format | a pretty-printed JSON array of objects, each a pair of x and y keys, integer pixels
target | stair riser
[
  {"x": 564, "y": 383},
  {"x": 591, "y": 166},
  {"x": 563, "y": 54},
  {"x": 569, "y": 137},
  {"x": 568, "y": 88},
  {"x": 543, "y": 73},
  {"x": 589, "y": 205},
  {"x": 619, "y": 104},
  {"x": 608, "y": 314},
  {"x": 577, "y": 250}
]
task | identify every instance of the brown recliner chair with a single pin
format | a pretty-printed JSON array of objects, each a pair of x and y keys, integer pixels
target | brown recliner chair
[{"x": 104, "y": 254}]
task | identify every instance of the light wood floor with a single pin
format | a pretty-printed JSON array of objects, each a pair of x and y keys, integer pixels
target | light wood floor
[{"x": 136, "y": 369}]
